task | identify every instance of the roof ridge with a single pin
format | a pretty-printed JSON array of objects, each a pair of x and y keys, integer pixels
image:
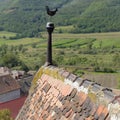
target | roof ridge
[{"x": 60, "y": 95}]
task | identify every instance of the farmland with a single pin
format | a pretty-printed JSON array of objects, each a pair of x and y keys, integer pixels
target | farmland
[{"x": 78, "y": 53}]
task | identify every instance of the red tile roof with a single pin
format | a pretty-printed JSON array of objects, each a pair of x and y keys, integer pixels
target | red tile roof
[
  {"x": 53, "y": 99},
  {"x": 14, "y": 106},
  {"x": 7, "y": 83}
]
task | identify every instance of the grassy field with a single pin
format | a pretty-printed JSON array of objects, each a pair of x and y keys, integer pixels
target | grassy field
[
  {"x": 5, "y": 39},
  {"x": 79, "y": 53},
  {"x": 6, "y": 34},
  {"x": 108, "y": 39}
]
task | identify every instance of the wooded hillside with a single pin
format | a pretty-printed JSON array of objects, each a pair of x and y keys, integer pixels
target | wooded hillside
[{"x": 85, "y": 16}]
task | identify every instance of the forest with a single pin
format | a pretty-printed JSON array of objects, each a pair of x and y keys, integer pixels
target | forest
[{"x": 28, "y": 18}]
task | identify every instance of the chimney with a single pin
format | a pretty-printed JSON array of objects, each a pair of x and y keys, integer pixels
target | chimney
[{"x": 50, "y": 28}]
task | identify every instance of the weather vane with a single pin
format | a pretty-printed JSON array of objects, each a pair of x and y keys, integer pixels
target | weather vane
[
  {"x": 51, "y": 12},
  {"x": 50, "y": 27}
]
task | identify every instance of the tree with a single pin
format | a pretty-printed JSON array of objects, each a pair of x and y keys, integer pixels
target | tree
[
  {"x": 89, "y": 45},
  {"x": 20, "y": 47},
  {"x": 10, "y": 60},
  {"x": 100, "y": 44},
  {"x": 3, "y": 49},
  {"x": 24, "y": 67},
  {"x": 33, "y": 45},
  {"x": 116, "y": 59}
]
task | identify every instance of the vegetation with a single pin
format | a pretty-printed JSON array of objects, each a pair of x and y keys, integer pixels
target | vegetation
[
  {"x": 5, "y": 115},
  {"x": 97, "y": 52},
  {"x": 79, "y": 53},
  {"x": 28, "y": 18}
]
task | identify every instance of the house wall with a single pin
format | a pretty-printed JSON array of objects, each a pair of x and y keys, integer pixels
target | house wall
[{"x": 10, "y": 96}]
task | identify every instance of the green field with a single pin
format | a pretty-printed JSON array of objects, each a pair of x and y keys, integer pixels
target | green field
[
  {"x": 79, "y": 53},
  {"x": 5, "y": 39}
]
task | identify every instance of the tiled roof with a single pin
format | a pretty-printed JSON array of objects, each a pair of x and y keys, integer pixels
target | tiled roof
[
  {"x": 60, "y": 95},
  {"x": 14, "y": 105},
  {"x": 7, "y": 83}
]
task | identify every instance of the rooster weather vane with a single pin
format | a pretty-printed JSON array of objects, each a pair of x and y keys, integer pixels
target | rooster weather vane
[
  {"x": 51, "y": 12},
  {"x": 50, "y": 27}
]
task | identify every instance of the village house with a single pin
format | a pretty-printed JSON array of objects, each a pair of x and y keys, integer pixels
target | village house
[
  {"x": 9, "y": 88},
  {"x": 13, "y": 89},
  {"x": 17, "y": 74},
  {"x": 5, "y": 70}
]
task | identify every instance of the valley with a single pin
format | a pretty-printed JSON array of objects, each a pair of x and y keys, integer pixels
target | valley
[{"x": 79, "y": 53}]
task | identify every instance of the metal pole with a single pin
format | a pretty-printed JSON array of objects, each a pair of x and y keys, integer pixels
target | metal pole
[{"x": 50, "y": 28}]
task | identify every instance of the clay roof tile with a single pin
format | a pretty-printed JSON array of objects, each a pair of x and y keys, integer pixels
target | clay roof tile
[
  {"x": 79, "y": 81},
  {"x": 72, "y": 77},
  {"x": 54, "y": 99}
]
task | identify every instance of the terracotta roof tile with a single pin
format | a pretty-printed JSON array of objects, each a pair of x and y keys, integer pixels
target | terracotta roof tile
[
  {"x": 86, "y": 83},
  {"x": 104, "y": 114},
  {"x": 46, "y": 87},
  {"x": 65, "y": 74},
  {"x": 96, "y": 87},
  {"x": 82, "y": 97},
  {"x": 79, "y": 81},
  {"x": 55, "y": 100},
  {"x": 99, "y": 111},
  {"x": 61, "y": 71},
  {"x": 72, "y": 77},
  {"x": 44, "y": 77},
  {"x": 117, "y": 98},
  {"x": 108, "y": 94},
  {"x": 73, "y": 93},
  {"x": 65, "y": 90},
  {"x": 69, "y": 113}
]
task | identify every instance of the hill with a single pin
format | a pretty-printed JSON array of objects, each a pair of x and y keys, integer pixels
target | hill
[
  {"x": 29, "y": 17},
  {"x": 26, "y": 17}
]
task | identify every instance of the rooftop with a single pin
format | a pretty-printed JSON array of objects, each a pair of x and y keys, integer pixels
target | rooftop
[
  {"x": 14, "y": 105},
  {"x": 7, "y": 83},
  {"x": 57, "y": 94}
]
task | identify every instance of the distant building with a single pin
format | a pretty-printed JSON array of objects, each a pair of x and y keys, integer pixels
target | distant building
[
  {"x": 17, "y": 74},
  {"x": 5, "y": 70},
  {"x": 31, "y": 72},
  {"x": 9, "y": 88}
]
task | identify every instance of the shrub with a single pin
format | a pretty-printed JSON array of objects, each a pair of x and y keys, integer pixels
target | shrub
[
  {"x": 5, "y": 115},
  {"x": 108, "y": 70}
]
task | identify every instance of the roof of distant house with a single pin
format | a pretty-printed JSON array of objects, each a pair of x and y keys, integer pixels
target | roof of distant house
[
  {"x": 13, "y": 105},
  {"x": 8, "y": 83},
  {"x": 4, "y": 70}
]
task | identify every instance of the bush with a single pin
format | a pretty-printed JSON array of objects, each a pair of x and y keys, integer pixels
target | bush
[
  {"x": 24, "y": 67},
  {"x": 105, "y": 70},
  {"x": 97, "y": 69},
  {"x": 78, "y": 72},
  {"x": 5, "y": 115},
  {"x": 108, "y": 70},
  {"x": 10, "y": 60}
]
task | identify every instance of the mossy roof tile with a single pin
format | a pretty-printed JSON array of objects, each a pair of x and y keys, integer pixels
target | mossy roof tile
[{"x": 55, "y": 100}]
